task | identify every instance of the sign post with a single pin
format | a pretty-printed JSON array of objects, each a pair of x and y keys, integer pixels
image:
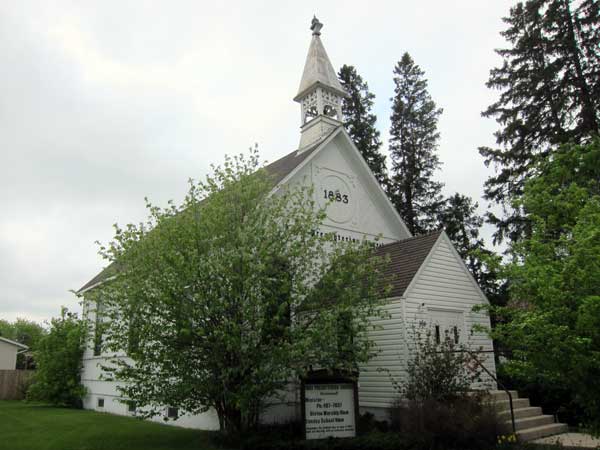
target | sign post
[{"x": 329, "y": 405}]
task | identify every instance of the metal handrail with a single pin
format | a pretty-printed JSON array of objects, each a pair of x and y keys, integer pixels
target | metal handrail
[{"x": 510, "y": 399}]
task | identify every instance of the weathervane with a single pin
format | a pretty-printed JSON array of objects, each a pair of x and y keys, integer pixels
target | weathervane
[{"x": 316, "y": 26}]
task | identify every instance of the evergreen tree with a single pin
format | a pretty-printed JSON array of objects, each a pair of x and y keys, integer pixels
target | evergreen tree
[
  {"x": 413, "y": 144},
  {"x": 462, "y": 224},
  {"x": 550, "y": 94},
  {"x": 360, "y": 121}
]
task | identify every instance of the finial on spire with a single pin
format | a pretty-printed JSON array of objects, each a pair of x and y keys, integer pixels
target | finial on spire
[{"x": 316, "y": 26}]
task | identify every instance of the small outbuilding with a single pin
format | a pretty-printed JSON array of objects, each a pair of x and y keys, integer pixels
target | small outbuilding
[{"x": 8, "y": 353}]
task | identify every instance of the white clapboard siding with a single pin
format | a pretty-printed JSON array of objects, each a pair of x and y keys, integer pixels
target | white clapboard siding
[
  {"x": 443, "y": 284},
  {"x": 376, "y": 389}
]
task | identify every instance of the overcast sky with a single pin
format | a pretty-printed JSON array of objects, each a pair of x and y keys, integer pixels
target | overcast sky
[{"x": 103, "y": 103}]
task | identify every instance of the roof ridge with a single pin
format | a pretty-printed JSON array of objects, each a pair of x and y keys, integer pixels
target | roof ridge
[
  {"x": 278, "y": 169},
  {"x": 420, "y": 236}
]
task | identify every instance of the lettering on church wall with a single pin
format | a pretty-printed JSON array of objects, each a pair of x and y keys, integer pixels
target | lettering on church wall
[{"x": 337, "y": 194}]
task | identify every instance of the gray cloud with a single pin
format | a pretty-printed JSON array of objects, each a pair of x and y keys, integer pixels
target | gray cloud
[{"x": 104, "y": 103}]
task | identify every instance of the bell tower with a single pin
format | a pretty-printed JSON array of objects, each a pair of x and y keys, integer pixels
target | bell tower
[{"x": 320, "y": 94}]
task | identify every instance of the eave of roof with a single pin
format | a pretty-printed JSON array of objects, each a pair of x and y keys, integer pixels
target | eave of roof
[{"x": 16, "y": 344}]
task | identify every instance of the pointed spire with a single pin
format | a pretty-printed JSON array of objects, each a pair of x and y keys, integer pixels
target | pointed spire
[
  {"x": 318, "y": 70},
  {"x": 320, "y": 94}
]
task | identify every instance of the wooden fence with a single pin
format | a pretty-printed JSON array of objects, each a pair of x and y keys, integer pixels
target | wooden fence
[{"x": 13, "y": 383}]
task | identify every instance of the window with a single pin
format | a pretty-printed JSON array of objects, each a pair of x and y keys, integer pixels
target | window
[
  {"x": 330, "y": 111},
  {"x": 98, "y": 330},
  {"x": 310, "y": 114},
  {"x": 172, "y": 413},
  {"x": 100, "y": 402},
  {"x": 437, "y": 334},
  {"x": 131, "y": 406},
  {"x": 455, "y": 329}
]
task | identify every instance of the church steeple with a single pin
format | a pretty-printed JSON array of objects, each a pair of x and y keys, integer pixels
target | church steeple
[{"x": 320, "y": 94}]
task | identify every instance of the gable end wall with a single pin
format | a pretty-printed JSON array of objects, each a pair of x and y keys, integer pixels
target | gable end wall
[{"x": 442, "y": 284}]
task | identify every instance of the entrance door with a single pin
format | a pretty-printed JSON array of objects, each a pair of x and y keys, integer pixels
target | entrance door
[{"x": 447, "y": 323}]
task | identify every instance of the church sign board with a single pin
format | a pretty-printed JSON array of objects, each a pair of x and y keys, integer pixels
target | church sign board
[{"x": 329, "y": 406}]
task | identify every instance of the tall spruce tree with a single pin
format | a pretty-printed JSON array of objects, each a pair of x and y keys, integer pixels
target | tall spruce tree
[
  {"x": 461, "y": 222},
  {"x": 550, "y": 94},
  {"x": 413, "y": 144},
  {"x": 359, "y": 121},
  {"x": 458, "y": 216}
]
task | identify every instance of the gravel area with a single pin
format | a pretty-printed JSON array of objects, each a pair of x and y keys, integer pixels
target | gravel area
[{"x": 571, "y": 440}]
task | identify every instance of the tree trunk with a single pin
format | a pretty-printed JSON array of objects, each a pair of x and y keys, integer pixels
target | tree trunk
[{"x": 590, "y": 122}]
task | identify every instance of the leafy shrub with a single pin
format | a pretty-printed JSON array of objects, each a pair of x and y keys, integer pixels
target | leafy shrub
[
  {"x": 371, "y": 441},
  {"x": 58, "y": 357},
  {"x": 372, "y": 434},
  {"x": 367, "y": 423},
  {"x": 468, "y": 422},
  {"x": 436, "y": 402},
  {"x": 442, "y": 369},
  {"x": 555, "y": 398},
  {"x": 23, "y": 387}
]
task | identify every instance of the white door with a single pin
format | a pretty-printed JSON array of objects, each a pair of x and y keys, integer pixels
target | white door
[{"x": 447, "y": 323}]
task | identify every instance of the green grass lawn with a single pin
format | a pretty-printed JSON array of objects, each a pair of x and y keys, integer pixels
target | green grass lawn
[{"x": 26, "y": 426}]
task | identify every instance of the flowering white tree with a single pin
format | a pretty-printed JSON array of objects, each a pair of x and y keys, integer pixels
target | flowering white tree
[{"x": 211, "y": 297}]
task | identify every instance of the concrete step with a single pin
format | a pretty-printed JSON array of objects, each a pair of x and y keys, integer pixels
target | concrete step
[
  {"x": 504, "y": 405},
  {"x": 541, "y": 431},
  {"x": 521, "y": 413},
  {"x": 528, "y": 422},
  {"x": 497, "y": 396}
]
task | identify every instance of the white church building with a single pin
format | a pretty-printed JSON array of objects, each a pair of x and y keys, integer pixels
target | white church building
[{"x": 431, "y": 283}]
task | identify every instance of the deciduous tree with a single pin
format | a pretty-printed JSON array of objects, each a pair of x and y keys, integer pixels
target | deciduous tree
[
  {"x": 552, "y": 322},
  {"x": 231, "y": 295},
  {"x": 58, "y": 357}
]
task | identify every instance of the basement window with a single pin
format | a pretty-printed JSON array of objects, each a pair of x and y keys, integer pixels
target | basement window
[
  {"x": 172, "y": 413},
  {"x": 100, "y": 403},
  {"x": 131, "y": 406}
]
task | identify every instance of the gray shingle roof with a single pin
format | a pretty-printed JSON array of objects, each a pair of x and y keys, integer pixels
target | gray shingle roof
[
  {"x": 107, "y": 272},
  {"x": 406, "y": 257}
]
